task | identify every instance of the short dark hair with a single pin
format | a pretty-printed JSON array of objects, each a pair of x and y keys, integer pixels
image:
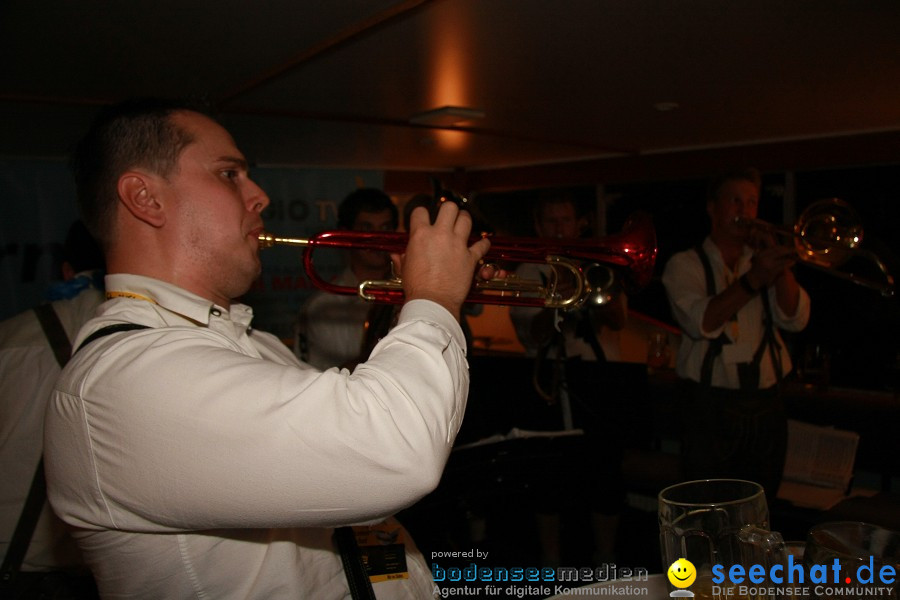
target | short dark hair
[
  {"x": 743, "y": 174},
  {"x": 365, "y": 200},
  {"x": 134, "y": 133}
]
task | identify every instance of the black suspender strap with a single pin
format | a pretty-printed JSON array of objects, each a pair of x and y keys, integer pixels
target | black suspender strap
[
  {"x": 109, "y": 329},
  {"x": 354, "y": 569},
  {"x": 31, "y": 511},
  {"x": 587, "y": 329},
  {"x": 707, "y": 270},
  {"x": 55, "y": 333},
  {"x": 771, "y": 341},
  {"x": 28, "y": 519},
  {"x": 714, "y": 349},
  {"x": 715, "y": 346},
  {"x": 37, "y": 493}
]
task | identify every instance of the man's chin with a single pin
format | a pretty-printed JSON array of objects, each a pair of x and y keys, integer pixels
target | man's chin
[
  {"x": 740, "y": 232},
  {"x": 250, "y": 282}
]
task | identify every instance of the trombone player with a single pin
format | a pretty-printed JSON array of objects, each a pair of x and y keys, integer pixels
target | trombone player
[{"x": 731, "y": 296}]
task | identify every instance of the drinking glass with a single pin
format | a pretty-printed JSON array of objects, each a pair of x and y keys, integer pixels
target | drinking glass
[
  {"x": 658, "y": 353},
  {"x": 854, "y": 545},
  {"x": 815, "y": 366},
  {"x": 701, "y": 520}
]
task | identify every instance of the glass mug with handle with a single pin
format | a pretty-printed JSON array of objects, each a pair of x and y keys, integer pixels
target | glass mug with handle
[
  {"x": 868, "y": 555},
  {"x": 842, "y": 559},
  {"x": 701, "y": 521}
]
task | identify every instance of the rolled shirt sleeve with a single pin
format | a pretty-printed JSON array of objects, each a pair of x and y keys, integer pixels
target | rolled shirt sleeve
[{"x": 685, "y": 286}]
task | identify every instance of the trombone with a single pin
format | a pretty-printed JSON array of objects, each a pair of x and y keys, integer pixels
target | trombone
[
  {"x": 827, "y": 235},
  {"x": 599, "y": 267}
]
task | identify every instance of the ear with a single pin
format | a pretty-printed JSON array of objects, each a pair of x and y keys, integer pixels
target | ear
[
  {"x": 68, "y": 271},
  {"x": 139, "y": 192}
]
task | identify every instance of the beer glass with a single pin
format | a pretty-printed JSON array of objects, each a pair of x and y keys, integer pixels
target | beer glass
[
  {"x": 855, "y": 545},
  {"x": 658, "y": 353},
  {"x": 701, "y": 520}
]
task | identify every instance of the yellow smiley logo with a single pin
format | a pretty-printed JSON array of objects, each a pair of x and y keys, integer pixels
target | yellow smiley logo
[{"x": 682, "y": 573}]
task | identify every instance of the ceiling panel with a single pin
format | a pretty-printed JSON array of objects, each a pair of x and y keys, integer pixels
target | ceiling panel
[{"x": 325, "y": 83}]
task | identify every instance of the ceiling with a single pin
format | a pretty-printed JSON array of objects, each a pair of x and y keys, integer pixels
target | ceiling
[{"x": 334, "y": 83}]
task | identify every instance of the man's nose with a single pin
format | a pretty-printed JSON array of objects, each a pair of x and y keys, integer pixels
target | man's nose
[{"x": 258, "y": 200}]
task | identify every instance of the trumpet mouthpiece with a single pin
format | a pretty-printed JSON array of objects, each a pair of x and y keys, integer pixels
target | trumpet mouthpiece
[{"x": 266, "y": 240}]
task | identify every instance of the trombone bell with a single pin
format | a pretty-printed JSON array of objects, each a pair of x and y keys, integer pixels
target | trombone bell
[{"x": 828, "y": 234}]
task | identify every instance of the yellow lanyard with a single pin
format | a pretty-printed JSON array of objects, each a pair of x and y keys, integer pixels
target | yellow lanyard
[
  {"x": 113, "y": 294},
  {"x": 730, "y": 277}
]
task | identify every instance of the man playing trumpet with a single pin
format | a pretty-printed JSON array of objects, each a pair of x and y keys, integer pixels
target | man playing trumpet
[{"x": 194, "y": 456}]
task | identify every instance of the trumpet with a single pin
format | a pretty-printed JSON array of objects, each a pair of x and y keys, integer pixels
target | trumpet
[
  {"x": 827, "y": 234},
  {"x": 600, "y": 268}
]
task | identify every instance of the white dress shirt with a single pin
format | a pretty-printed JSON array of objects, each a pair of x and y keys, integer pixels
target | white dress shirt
[
  {"x": 28, "y": 369},
  {"x": 332, "y": 326},
  {"x": 685, "y": 283},
  {"x": 201, "y": 459}
]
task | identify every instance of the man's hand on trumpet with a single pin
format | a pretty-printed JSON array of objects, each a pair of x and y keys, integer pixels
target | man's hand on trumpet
[{"x": 439, "y": 264}]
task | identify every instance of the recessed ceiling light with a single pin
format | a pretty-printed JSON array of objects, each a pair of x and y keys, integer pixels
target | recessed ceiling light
[
  {"x": 665, "y": 106},
  {"x": 448, "y": 116}
]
